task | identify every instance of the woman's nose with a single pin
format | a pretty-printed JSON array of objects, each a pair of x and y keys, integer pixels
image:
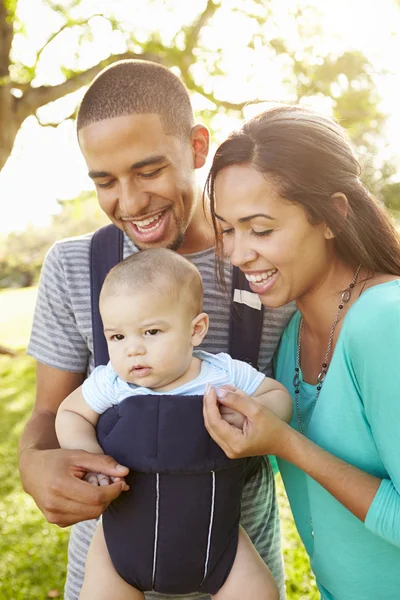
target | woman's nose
[{"x": 239, "y": 251}]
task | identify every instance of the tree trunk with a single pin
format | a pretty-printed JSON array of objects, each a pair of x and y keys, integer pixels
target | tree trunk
[{"x": 9, "y": 124}]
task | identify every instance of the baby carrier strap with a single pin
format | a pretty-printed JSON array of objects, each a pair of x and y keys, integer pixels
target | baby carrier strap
[
  {"x": 246, "y": 321},
  {"x": 106, "y": 251}
]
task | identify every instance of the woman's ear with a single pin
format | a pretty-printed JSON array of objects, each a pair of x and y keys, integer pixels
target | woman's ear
[
  {"x": 199, "y": 328},
  {"x": 340, "y": 202}
]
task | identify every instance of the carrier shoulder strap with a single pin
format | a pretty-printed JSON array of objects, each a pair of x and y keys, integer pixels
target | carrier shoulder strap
[
  {"x": 106, "y": 251},
  {"x": 246, "y": 321},
  {"x": 245, "y": 329}
]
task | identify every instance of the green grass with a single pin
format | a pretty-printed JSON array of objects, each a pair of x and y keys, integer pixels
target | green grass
[{"x": 33, "y": 552}]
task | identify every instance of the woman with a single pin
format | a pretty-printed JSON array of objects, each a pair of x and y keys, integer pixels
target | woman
[{"x": 291, "y": 212}]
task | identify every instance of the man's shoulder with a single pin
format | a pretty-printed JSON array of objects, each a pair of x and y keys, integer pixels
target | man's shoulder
[
  {"x": 69, "y": 252},
  {"x": 72, "y": 244}
]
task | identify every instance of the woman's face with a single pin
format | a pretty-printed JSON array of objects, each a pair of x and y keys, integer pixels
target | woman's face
[{"x": 269, "y": 238}]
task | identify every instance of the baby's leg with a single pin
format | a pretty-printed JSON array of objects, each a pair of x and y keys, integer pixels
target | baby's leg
[
  {"x": 250, "y": 578},
  {"x": 101, "y": 579}
]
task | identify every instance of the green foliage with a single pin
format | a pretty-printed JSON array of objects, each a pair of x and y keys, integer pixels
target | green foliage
[
  {"x": 22, "y": 254},
  {"x": 300, "y": 582},
  {"x": 345, "y": 79},
  {"x": 391, "y": 193}
]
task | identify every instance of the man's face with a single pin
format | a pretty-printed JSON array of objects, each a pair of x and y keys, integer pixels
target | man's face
[{"x": 145, "y": 179}]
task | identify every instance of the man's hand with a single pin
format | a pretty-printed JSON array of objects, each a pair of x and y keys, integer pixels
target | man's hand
[{"x": 55, "y": 480}]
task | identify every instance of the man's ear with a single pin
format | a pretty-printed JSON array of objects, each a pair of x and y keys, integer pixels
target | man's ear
[
  {"x": 200, "y": 142},
  {"x": 199, "y": 328},
  {"x": 340, "y": 202}
]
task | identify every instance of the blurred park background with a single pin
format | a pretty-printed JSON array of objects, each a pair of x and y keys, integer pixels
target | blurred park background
[{"x": 339, "y": 56}]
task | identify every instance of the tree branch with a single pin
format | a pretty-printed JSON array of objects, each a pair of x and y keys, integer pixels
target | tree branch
[
  {"x": 70, "y": 23},
  {"x": 193, "y": 32},
  {"x": 34, "y": 98},
  {"x": 238, "y": 106}
]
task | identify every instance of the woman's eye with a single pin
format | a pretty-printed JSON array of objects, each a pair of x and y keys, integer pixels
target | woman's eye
[
  {"x": 152, "y": 331},
  {"x": 117, "y": 337},
  {"x": 226, "y": 231},
  {"x": 263, "y": 233}
]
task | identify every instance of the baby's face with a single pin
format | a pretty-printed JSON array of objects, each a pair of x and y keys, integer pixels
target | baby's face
[{"x": 149, "y": 338}]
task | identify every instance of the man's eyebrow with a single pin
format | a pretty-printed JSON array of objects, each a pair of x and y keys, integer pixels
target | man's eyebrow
[
  {"x": 249, "y": 218},
  {"x": 150, "y": 160}
]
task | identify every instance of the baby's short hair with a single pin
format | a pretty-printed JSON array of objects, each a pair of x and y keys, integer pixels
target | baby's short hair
[{"x": 158, "y": 270}]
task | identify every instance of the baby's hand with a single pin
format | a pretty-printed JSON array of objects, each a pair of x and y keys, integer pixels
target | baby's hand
[
  {"x": 100, "y": 479},
  {"x": 97, "y": 479},
  {"x": 228, "y": 414},
  {"x": 232, "y": 417}
]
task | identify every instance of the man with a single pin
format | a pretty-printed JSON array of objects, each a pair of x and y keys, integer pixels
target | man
[{"x": 137, "y": 133}]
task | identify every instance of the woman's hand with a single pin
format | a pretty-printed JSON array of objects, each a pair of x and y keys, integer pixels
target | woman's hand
[{"x": 262, "y": 431}]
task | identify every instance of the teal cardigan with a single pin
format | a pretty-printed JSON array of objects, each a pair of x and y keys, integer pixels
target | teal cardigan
[{"x": 357, "y": 418}]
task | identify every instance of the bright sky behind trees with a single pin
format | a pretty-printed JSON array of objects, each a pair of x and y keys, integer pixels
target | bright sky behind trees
[{"x": 46, "y": 164}]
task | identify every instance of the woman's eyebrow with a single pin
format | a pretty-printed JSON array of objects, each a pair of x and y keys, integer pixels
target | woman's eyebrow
[{"x": 249, "y": 218}]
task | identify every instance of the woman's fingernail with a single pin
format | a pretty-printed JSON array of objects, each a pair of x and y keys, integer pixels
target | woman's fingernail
[
  {"x": 221, "y": 392},
  {"x": 120, "y": 468},
  {"x": 207, "y": 389}
]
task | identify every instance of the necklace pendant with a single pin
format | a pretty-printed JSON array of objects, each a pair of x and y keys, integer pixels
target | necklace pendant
[
  {"x": 346, "y": 295},
  {"x": 296, "y": 380}
]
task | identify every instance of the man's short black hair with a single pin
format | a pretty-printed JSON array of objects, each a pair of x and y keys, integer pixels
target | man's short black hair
[{"x": 130, "y": 87}]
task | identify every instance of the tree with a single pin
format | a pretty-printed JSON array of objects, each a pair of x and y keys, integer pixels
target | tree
[{"x": 344, "y": 79}]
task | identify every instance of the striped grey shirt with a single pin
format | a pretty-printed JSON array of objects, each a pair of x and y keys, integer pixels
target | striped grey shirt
[{"x": 62, "y": 338}]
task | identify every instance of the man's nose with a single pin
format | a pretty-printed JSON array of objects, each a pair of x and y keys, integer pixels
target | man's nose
[{"x": 132, "y": 201}]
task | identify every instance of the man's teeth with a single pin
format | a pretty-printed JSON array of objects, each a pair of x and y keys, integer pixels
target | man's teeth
[
  {"x": 260, "y": 277},
  {"x": 144, "y": 225}
]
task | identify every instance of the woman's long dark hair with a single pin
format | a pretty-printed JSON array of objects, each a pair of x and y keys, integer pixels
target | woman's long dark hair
[{"x": 309, "y": 158}]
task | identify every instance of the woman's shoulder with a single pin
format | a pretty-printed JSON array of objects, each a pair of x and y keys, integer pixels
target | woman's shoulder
[
  {"x": 377, "y": 309},
  {"x": 382, "y": 296}
]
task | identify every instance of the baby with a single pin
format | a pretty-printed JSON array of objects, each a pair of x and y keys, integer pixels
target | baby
[{"x": 176, "y": 527}]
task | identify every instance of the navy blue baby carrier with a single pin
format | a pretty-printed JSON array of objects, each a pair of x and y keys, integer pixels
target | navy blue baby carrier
[{"x": 176, "y": 530}]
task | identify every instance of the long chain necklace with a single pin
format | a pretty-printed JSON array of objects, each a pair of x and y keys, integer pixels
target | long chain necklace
[{"x": 346, "y": 295}]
